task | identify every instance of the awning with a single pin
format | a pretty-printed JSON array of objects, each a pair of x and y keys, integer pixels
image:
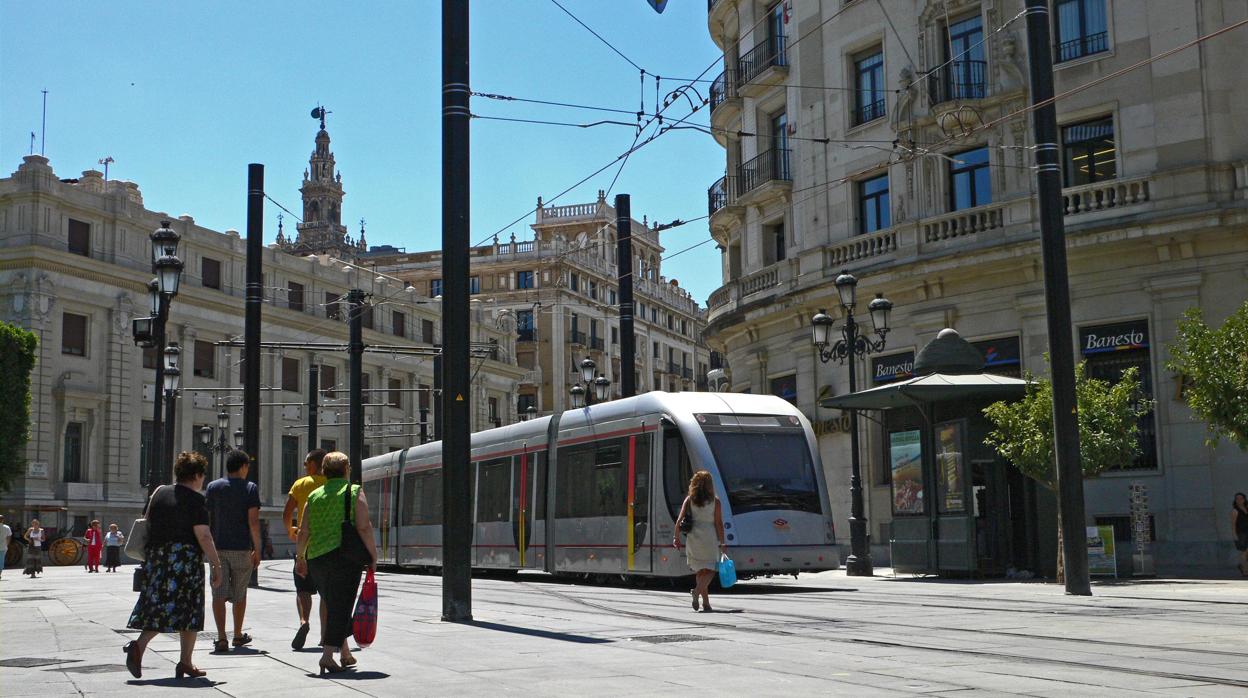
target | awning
[{"x": 934, "y": 387}]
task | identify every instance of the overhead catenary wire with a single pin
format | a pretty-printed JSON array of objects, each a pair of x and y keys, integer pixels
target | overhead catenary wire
[{"x": 598, "y": 36}]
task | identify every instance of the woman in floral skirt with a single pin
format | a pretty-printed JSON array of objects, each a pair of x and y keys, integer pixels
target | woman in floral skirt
[{"x": 172, "y": 599}]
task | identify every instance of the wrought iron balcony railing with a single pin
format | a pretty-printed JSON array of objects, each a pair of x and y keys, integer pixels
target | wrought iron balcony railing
[
  {"x": 962, "y": 79},
  {"x": 772, "y": 165},
  {"x": 869, "y": 111},
  {"x": 576, "y": 337},
  {"x": 1082, "y": 46},
  {"x": 723, "y": 88},
  {"x": 596, "y": 343},
  {"x": 721, "y": 193},
  {"x": 767, "y": 54}
]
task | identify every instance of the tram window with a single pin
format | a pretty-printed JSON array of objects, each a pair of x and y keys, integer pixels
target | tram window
[
  {"x": 677, "y": 470},
  {"x": 641, "y": 482},
  {"x": 422, "y": 498},
  {"x": 537, "y": 470},
  {"x": 372, "y": 494},
  {"x": 592, "y": 480},
  {"x": 494, "y": 494}
]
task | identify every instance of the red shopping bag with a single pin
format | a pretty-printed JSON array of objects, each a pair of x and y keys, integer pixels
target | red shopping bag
[{"x": 364, "y": 622}]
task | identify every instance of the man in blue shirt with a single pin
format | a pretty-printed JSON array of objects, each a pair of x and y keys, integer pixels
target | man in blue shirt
[{"x": 234, "y": 518}]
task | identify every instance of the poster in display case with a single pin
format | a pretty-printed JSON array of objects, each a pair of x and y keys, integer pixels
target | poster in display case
[
  {"x": 950, "y": 468},
  {"x": 906, "y": 462}
]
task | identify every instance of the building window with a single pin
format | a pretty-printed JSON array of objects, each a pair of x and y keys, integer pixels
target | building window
[
  {"x": 79, "y": 241},
  {"x": 367, "y": 319},
  {"x": 969, "y": 183},
  {"x": 524, "y": 402},
  {"x": 332, "y": 309},
  {"x": 474, "y": 285},
  {"x": 775, "y": 33},
  {"x": 593, "y": 289},
  {"x": 966, "y": 59},
  {"x": 426, "y": 331},
  {"x": 492, "y": 406},
  {"x": 329, "y": 378},
  {"x": 210, "y": 272},
  {"x": 1109, "y": 350},
  {"x": 524, "y": 326},
  {"x": 399, "y": 323},
  {"x": 656, "y": 350},
  {"x": 773, "y": 236},
  {"x": 395, "y": 397},
  {"x": 1089, "y": 152},
  {"x": 72, "y": 465},
  {"x": 1081, "y": 29},
  {"x": 329, "y": 445},
  {"x": 574, "y": 282},
  {"x": 291, "y": 461},
  {"x": 615, "y": 335},
  {"x": 294, "y": 296},
  {"x": 780, "y": 141},
  {"x": 873, "y": 209},
  {"x": 1002, "y": 357},
  {"x": 525, "y": 279},
  {"x": 435, "y": 288},
  {"x": 290, "y": 374},
  {"x": 205, "y": 359},
  {"x": 73, "y": 334},
  {"x": 869, "y": 74},
  {"x": 611, "y": 297}
]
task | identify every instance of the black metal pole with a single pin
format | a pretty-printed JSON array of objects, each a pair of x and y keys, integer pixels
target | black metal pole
[
  {"x": 436, "y": 398},
  {"x": 624, "y": 267},
  {"x": 251, "y": 326},
  {"x": 156, "y": 453},
  {"x": 171, "y": 427},
  {"x": 1057, "y": 302},
  {"x": 314, "y": 393},
  {"x": 355, "y": 369},
  {"x": 424, "y": 425},
  {"x": 858, "y": 564},
  {"x": 456, "y": 497}
]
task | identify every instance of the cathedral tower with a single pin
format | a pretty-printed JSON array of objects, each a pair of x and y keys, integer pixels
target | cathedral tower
[{"x": 322, "y": 231}]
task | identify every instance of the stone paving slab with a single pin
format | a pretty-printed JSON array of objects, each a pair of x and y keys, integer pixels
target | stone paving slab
[{"x": 823, "y": 634}]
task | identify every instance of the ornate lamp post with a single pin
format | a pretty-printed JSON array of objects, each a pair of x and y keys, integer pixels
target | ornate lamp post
[
  {"x": 593, "y": 387},
  {"x": 852, "y": 345}
]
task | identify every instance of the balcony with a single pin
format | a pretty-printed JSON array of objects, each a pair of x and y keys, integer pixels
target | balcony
[
  {"x": 723, "y": 88},
  {"x": 1101, "y": 196},
  {"x": 956, "y": 80},
  {"x": 770, "y": 166},
  {"x": 880, "y": 243},
  {"x": 673, "y": 368},
  {"x": 869, "y": 111},
  {"x": 686, "y": 373},
  {"x": 597, "y": 344},
  {"x": 762, "y": 66},
  {"x": 526, "y": 334},
  {"x": 722, "y": 193},
  {"x": 576, "y": 337},
  {"x": 1080, "y": 47},
  {"x": 760, "y": 280},
  {"x": 963, "y": 223}
]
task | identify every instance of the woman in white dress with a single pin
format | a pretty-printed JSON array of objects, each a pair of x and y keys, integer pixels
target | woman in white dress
[{"x": 705, "y": 541}]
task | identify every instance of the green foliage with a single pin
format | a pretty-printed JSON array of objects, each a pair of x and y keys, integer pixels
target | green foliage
[
  {"x": 17, "y": 360},
  {"x": 1023, "y": 432},
  {"x": 1214, "y": 364}
]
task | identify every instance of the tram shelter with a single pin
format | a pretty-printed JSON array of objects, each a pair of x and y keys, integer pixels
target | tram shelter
[{"x": 958, "y": 508}]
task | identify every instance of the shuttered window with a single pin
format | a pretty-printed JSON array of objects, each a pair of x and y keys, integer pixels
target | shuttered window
[{"x": 74, "y": 334}]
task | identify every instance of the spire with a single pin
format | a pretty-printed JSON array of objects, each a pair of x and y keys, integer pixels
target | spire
[
  {"x": 363, "y": 244},
  {"x": 281, "y": 237},
  {"x": 321, "y": 230}
]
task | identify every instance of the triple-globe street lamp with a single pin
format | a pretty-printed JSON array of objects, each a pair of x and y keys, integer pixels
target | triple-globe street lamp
[
  {"x": 221, "y": 445},
  {"x": 600, "y": 385},
  {"x": 851, "y": 345}
]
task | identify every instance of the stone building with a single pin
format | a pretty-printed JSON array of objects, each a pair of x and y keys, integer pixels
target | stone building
[
  {"x": 74, "y": 265},
  {"x": 562, "y": 290},
  {"x": 891, "y": 139}
]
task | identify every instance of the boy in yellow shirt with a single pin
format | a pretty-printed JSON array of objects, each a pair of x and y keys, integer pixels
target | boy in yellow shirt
[{"x": 292, "y": 516}]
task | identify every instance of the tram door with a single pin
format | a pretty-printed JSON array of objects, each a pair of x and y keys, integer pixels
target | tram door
[
  {"x": 528, "y": 505},
  {"x": 493, "y": 540},
  {"x": 638, "y": 454}
]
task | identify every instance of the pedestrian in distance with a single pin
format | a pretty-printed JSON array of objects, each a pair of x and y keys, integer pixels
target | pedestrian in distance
[
  {"x": 178, "y": 540},
  {"x": 296, "y": 499},
  {"x": 113, "y": 540},
  {"x": 319, "y": 553},
  {"x": 234, "y": 519},
  {"x": 701, "y": 550},
  {"x": 34, "y": 549},
  {"x": 95, "y": 545},
  {"x": 6, "y": 535},
  {"x": 1239, "y": 525}
]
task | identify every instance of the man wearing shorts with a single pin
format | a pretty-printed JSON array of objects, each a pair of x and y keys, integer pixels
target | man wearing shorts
[
  {"x": 234, "y": 518},
  {"x": 293, "y": 516}
]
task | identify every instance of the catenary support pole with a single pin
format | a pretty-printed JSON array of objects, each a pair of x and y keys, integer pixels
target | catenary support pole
[
  {"x": 1057, "y": 302},
  {"x": 251, "y": 322},
  {"x": 858, "y": 564},
  {"x": 314, "y": 402},
  {"x": 436, "y": 398},
  {"x": 624, "y": 269},
  {"x": 156, "y": 467},
  {"x": 355, "y": 367},
  {"x": 456, "y": 498},
  {"x": 424, "y": 425}
]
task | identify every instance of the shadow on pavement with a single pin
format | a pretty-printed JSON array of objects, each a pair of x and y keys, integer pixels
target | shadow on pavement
[
  {"x": 533, "y": 632},
  {"x": 354, "y": 676},
  {"x": 177, "y": 683}
]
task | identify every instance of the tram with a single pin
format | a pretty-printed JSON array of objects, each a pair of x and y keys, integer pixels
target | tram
[{"x": 594, "y": 492}]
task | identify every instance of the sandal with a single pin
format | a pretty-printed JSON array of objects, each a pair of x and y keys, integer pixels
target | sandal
[
  {"x": 240, "y": 640},
  {"x": 694, "y": 594},
  {"x": 220, "y": 647}
]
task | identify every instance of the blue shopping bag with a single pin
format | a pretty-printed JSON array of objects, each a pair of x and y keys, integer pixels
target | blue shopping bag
[{"x": 727, "y": 571}]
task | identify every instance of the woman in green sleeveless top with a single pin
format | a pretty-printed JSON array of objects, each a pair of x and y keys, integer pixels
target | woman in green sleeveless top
[{"x": 318, "y": 555}]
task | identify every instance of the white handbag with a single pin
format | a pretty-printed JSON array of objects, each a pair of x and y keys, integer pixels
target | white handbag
[{"x": 136, "y": 542}]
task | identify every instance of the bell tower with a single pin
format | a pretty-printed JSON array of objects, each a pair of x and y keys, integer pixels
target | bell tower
[{"x": 322, "y": 230}]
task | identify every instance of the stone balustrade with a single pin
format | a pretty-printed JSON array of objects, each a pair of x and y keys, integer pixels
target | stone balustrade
[
  {"x": 1104, "y": 195},
  {"x": 864, "y": 247},
  {"x": 760, "y": 280},
  {"x": 963, "y": 223}
]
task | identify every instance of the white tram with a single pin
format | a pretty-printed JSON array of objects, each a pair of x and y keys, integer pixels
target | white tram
[{"x": 595, "y": 491}]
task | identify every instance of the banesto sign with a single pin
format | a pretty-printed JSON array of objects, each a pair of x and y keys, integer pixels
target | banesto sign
[
  {"x": 1120, "y": 336},
  {"x": 887, "y": 369}
]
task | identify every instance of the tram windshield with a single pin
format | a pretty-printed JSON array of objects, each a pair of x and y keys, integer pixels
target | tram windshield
[{"x": 765, "y": 468}]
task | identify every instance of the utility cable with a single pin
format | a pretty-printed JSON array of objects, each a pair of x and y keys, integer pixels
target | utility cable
[{"x": 599, "y": 36}]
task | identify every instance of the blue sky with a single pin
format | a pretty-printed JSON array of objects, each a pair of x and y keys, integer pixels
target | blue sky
[{"x": 183, "y": 95}]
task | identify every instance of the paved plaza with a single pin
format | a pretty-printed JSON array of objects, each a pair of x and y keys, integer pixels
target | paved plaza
[{"x": 824, "y": 634}]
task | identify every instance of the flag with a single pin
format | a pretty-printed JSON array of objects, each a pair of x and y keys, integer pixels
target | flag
[{"x": 658, "y": 5}]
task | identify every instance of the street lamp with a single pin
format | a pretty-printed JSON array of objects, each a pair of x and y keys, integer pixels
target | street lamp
[
  {"x": 238, "y": 438},
  {"x": 530, "y": 414},
  {"x": 852, "y": 345},
  {"x": 588, "y": 369},
  {"x": 602, "y": 388},
  {"x": 592, "y": 388},
  {"x": 150, "y": 332},
  {"x": 578, "y": 396}
]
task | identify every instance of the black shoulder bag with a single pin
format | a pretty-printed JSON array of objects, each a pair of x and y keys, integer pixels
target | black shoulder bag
[
  {"x": 686, "y": 521},
  {"x": 352, "y": 546}
]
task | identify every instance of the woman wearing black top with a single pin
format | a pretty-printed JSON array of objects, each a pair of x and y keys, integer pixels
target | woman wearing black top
[
  {"x": 1239, "y": 526},
  {"x": 172, "y": 599}
]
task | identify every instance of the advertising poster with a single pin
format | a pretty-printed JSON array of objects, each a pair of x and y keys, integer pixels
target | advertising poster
[
  {"x": 1101, "y": 558},
  {"x": 950, "y": 471},
  {"x": 906, "y": 460}
]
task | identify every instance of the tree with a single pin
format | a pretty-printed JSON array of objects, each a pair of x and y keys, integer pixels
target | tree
[
  {"x": 1108, "y": 428},
  {"x": 17, "y": 360},
  {"x": 1214, "y": 367}
]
